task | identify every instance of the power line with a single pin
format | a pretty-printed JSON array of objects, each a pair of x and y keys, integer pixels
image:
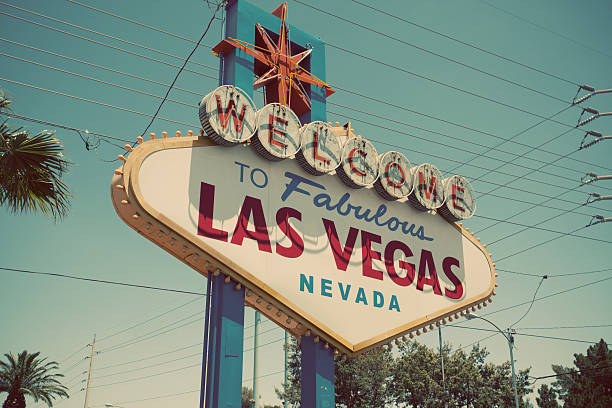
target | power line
[
  {"x": 106, "y": 45},
  {"x": 554, "y": 275},
  {"x": 132, "y": 285},
  {"x": 535, "y": 227},
  {"x": 565, "y": 327},
  {"x": 149, "y": 366},
  {"x": 154, "y": 333},
  {"x": 463, "y": 126},
  {"x": 107, "y": 105},
  {"x": 549, "y": 296},
  {"x": 102, "y": 67},
  {"x": 467, "y": 92},
  {"x": 97, "y": 80},
  {"x": 558, "y": 338},
  {"x": 532, "y": 301},
  {"x": 165, "y": 353},
  {"x": 571, "y": 372},
  {"x": 439, "y": 156},
  {"x": 147, "y": 376},
  {"x": 433, "y": 53},
  {"x": 437, "y": 142},
  {"x": 138, "y": 23},
  {"x": 465, "y": 43},
  {"x": 105, "y": 35},
  {"x": 537, "y": 245},
  {"x": 181, "y": 69},
  {"x": 565, "y": 37},
  {"x": 148, "y": 320},
  {"x": 60, "y": 126}
]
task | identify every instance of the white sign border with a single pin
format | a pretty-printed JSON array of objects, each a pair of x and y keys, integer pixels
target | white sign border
[{"x": 140, "y": 216}]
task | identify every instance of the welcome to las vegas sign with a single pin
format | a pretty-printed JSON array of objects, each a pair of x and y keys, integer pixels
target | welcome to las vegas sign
[{"x": 327, "y": 237}]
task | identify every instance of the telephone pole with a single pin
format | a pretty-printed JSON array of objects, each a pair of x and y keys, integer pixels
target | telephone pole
[{"x": 91, "y": 358}]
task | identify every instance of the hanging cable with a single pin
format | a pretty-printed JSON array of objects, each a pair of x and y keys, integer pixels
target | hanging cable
[{"x": 532, "y": 302}]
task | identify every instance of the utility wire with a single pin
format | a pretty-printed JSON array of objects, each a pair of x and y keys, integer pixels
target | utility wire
[
  {"x": 148, "y": 320},
  {"x": 438, "y": 156},
  {"x": 106, "y": 45},
  {"x": 549, "y": 296},
  {"x": 449, "y": 37},
  {"x": 97, "y": 80},
  {"x": 105, "y": 35},
  {"x": 571, "y": 372},
  {"x": 456, "y": 88},
  {"x": 532, "y": 301},
  {"x": 473, "y": 68},
  {"x": 60, "y": 126},
  {"x": 555, "y": 275},
  {"x": 565, "y": 327},
  {"x": 517, "y": 135},
  {"x": 490, "y": 148},
  {"x": 138, "y": 23},
  {"x": 536, "y": 227},
  {"x": 463, "y": 126},
  {"x": 537, "y": 245},
  {"x": 541, "y": 27},
  {"x": 132, "y": 285},
  {"x": 182, "y": 68},
  {"x": 97, "y": 102},
  {"x": 101, "y": 67}
]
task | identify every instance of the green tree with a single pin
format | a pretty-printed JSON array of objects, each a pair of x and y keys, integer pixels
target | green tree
[
  {"x": 31, "y": 170},
  {"x": 547, "y": 397},
  {"x": 247, "y": 397},
  {"x": 28, "y": 375},
  {"x": 590, "y": 384}
]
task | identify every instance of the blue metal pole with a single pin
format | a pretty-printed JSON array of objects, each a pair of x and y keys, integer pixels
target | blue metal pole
[
  {"x": 317, "y": 374},
  {"x": 205, "y": 342},
  {"x": 225, "y": 345}
]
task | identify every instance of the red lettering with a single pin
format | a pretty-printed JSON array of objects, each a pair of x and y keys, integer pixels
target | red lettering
[
  {"x": 272, "y": 130},
  {"x": 446, "y": 267},
  {"x": 432, "y": 187},
  {"x": 205, "y": 218},
  {"x": 315, "y": 149},
  {"x": 426, "y": 263},
  {"x": 253, "y": 206},
  {"x": 297, "y": 244},
  {"x": 230, "y": 110},
  {"x": 341, "y": 256},
  {"x": 390, "y": 263},
  {"x": 391, "y": 182},
  {"x": 368, "y": 254},
  {"x": 457, "y": 197},
  {"x": 351, "y": 160}
]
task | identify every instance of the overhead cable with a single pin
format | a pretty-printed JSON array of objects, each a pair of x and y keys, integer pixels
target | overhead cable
[
  {"x": 132, "y": 285},
  {"x": 106, "y": 45},
  {"x": 465, "y": 43},
  {"x": 106, "y": 35},
  {"x": 97, "y": 102},
  {"x": 463, "y": 64}
]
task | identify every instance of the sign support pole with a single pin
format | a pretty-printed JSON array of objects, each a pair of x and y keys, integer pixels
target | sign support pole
[
  {"x": 317, "y": 374},
  {"x": 225, "y": 345}
]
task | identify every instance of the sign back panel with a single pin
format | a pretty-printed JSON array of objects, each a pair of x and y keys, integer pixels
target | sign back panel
[{"x": 315, "y": 256}]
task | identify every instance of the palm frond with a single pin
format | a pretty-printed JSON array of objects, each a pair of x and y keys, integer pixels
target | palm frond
[{"x": 31, "y": 168}]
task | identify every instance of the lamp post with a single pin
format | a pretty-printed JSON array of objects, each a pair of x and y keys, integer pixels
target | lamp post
[
  {"x": 109, "y": 405},
  {"x": 510, "y": 340}
]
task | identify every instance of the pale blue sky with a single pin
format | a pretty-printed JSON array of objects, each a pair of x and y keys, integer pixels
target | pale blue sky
[{"x": 58, "y": 316}]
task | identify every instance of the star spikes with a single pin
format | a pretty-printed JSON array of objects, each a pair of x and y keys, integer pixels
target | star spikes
[{"x": 277, "y": 69}]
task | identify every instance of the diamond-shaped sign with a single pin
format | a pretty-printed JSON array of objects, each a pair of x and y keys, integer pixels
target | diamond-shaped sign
[{"x": 315, "y": 256}]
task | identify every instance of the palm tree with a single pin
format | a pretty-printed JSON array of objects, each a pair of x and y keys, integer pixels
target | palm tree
[
  {"x": 31, "y": 168},
  {"x": 31, "y": 376}
]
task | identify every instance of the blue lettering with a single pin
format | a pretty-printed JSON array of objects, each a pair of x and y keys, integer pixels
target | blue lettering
[
  {"x": 295, "y": 182},
  {"x": 307, "y": 283},
  {"x": 361, "y": 298},
  {"x": 265, "y": 182},
  {"x": 379, "y": 299},
  {"x": 326, "y": 287},
  {"x": 242, "y": 166},
  {"x": 344, "y": 293},
  {"x": 394, "y": 304}
]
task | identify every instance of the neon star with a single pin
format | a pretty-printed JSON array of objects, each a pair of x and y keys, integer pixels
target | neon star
[{"x": 278, "y": 71}]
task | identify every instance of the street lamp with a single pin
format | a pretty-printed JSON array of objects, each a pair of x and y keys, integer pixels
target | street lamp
[
  {"x": 109, "y": 405},
  {"x": 510, "y": 339}
]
